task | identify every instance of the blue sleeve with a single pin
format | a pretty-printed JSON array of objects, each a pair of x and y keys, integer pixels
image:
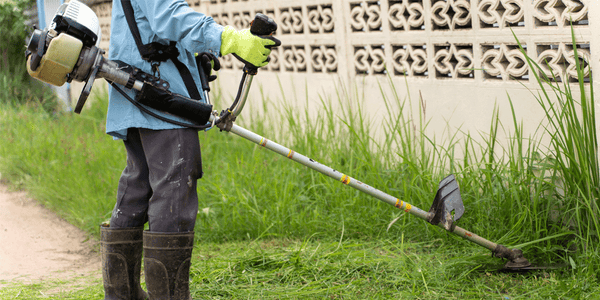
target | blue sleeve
[{"x": 174, "y": 20}]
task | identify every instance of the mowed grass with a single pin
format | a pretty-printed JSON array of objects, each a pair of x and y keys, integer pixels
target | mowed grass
[{"x": 344, "y": 269}]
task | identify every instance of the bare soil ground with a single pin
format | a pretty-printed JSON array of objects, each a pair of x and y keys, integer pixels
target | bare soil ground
[{"x": 37, "y": 245}]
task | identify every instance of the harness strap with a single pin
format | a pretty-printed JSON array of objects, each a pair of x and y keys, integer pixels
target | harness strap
[{"x": 157, "y": 52}]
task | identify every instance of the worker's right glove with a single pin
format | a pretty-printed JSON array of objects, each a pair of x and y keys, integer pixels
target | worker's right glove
[{"x": 249, "y": 48}]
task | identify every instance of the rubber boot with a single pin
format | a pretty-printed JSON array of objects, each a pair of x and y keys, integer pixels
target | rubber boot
[
  {"x": 167, "y": 260},
  {"x": 121, "y": 263}
]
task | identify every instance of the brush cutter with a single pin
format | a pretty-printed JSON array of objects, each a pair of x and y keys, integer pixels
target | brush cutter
[{"x": 68, "y": 50}]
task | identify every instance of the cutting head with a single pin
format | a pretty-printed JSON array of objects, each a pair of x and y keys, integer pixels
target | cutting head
[{"x": 518, "y": 263}]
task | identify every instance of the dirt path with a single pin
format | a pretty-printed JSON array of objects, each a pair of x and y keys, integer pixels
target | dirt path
[{"x": 37, "y": 245}]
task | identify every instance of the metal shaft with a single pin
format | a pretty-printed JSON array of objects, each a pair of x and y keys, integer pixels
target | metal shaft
[
  {"x": 347, "y": 180},
  {"x": 110, "y": 70}
]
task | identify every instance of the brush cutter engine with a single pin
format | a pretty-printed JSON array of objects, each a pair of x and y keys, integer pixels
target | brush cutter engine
[
  {"x": 57, "y": 54},
  {"x": 68, "y": 50}
]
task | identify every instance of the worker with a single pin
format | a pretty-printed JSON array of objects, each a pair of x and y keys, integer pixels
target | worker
[{"x": 158, "y": 184}]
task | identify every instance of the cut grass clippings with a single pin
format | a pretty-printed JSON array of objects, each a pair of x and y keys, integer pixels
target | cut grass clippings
[{"x": 346, "y": 269}]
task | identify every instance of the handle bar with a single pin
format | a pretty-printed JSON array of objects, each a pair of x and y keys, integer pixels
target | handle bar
[{"x": 262, "y": 25}]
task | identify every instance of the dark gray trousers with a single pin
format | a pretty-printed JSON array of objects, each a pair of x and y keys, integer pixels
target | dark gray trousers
[{"x": 158, "y": 185}]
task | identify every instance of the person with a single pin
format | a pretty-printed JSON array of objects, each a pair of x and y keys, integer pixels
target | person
[{"x": 158, "y": 184}]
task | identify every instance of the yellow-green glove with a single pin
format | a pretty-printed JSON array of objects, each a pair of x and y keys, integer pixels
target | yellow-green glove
[{"x": 247, "y": 47}]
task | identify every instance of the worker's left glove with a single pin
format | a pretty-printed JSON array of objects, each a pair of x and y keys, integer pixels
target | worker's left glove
[
  {"x": 208, "y": 62},
  {"x": 247, "y": 47}
]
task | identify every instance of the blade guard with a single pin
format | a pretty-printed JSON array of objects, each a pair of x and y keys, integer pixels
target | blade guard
[{"x": 447, "y": 199}]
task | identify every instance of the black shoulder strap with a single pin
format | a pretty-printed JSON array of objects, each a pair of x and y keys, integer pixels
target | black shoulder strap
[
  {"x": 158, "y": 52},
  {"x": 129, "y": 16}
]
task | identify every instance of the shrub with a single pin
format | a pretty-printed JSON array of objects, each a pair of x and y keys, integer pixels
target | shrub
[{"x": 16, "y": 86}]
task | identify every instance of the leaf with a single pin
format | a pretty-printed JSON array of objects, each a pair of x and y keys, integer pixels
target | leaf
[{"x": 572, "y": 262}]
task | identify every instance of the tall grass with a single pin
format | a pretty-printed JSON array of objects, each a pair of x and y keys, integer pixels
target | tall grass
[
  {"x": 15, "y": 90},
  {"x": 574, "y": 151}
]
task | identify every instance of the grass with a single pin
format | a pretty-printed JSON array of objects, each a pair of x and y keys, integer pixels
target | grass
[
  {"x": 63, "y": 160},
  {"x": 572, "y": 126},
  {"x": 346, "y": 269},
  {"x": 85, "y": 287},
  {"x": 271, "y": 229}
]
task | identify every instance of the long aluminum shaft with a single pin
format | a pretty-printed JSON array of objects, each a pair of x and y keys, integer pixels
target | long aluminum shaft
[{"x": 347, "y": 180}]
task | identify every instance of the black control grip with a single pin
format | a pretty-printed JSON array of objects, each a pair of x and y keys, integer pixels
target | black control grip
[{"x": 263, "y": 25}]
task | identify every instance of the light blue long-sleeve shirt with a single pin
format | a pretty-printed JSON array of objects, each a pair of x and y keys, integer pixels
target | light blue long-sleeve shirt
[{"x": 158, "y": 21}]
